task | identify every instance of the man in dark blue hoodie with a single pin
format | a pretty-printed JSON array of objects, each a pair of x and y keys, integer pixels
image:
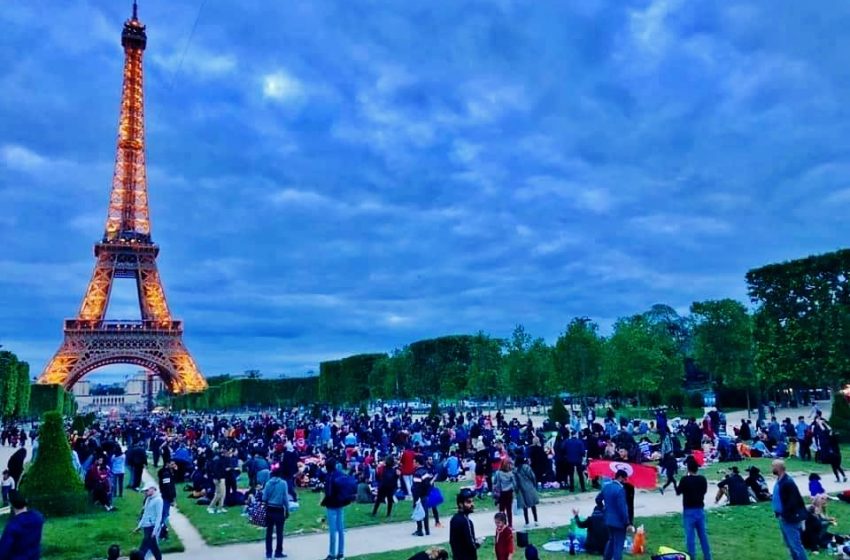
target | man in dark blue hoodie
[
  {"x": 21, "y": 538},
  {"x": 574, "y": 450}
]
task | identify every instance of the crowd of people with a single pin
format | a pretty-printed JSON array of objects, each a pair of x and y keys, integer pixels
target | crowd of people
[{"x": 349, "y": 456}]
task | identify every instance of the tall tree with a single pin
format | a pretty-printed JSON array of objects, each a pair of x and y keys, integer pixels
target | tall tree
[
  {"x": 802, "y": 324},
  {"x": 723, "y": 343},
  {"x": 642, "y": 360},
  {"x": 486, "y": 374},
  {"x": 528, "y": 364},
  {"x": 577, "y": 359}
]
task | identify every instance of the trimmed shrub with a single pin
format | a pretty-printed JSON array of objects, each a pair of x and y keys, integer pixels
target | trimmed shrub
[
  {"x": 51, "y": 484},
  {"x": 558, "y": 412},
  {"x": 839, "y": 419}
]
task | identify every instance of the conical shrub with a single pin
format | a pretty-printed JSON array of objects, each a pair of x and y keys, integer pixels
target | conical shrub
[
  {"x": 839, "y": 419},
  {"x": 50, "y": 484}
]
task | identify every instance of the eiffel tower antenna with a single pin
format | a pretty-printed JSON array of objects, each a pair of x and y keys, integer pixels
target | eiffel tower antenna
[{"x": 126, "y": 250}]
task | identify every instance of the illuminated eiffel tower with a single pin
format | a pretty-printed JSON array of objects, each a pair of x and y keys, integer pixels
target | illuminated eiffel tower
[{"x": 126, "y": 251}]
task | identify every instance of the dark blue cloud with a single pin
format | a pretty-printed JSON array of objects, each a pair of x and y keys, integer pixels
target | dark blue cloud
[{"x": 331, "y": 178}]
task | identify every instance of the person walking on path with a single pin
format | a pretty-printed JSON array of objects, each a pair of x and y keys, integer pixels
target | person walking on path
[
  {"x": 693, "y": 488},
  {"x": 150, "y": 522},
  {"x": 789, "y": 508},
  {"x": 334, "y": 505},
  {"x": 462, "y": 539},
  {"x": 21, "y": 538},
  {"x": 276, "y": 497},
  {"x": 613, "y": 495},
  {"x": 168, "y": 491},
  {"x": 526, "y": 489}
]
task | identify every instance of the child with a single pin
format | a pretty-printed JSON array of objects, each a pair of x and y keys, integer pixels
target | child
[
  {"x": 815, "y": 486},
  {"x": 504, "y": 545},
  {"x": 8, "y": 485},
  {"x": 480, "y": 485}
]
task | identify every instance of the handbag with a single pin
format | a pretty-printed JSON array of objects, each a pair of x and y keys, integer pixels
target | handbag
[{"x": 257, "y": 515}]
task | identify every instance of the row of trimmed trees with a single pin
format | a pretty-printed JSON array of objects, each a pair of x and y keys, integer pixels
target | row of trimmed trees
[{"x": 796, "y": 335}]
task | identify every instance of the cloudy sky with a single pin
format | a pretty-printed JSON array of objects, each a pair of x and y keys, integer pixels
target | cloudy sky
[{"x": 328, "y": 178}]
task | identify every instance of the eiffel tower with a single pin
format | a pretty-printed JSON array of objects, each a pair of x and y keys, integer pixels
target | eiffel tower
[{"x": 127, "y": 251}]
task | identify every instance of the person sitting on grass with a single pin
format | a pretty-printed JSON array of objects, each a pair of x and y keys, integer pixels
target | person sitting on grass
[
  {"x": 757, "y": 485},
  {"x": 433, "y": 553},
  {"x": 815, "y": 486},
  {"x": 734, "y": 487},
  {"x": 597, "y": 531},
  {"x": 816, "y": 535},
  {"x": 113, "y": 552}
]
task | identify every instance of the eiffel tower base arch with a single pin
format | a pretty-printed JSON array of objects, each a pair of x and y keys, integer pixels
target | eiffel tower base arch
[{"x": 163, "y": 352}]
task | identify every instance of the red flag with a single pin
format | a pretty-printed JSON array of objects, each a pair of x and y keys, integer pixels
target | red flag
[{"x": 641, "y": 476}]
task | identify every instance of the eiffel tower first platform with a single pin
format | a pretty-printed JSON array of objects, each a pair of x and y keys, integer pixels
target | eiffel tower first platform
[{"x": 127, "y": 251}]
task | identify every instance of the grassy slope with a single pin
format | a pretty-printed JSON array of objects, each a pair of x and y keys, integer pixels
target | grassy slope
[{"x": 87, "y": 536}]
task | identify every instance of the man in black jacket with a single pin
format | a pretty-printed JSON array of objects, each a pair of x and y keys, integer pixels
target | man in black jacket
[
  {"x": 789, "y": 508},
  {"x": 168, "y": 491},
  {"x": 461, "y": 529}
]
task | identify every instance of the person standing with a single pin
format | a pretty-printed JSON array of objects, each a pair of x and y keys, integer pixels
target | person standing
[
  {"x": 526, "y": 489},
  {"x": 22, "y": 535},
  {"x": 150, "y": 522},
  {"x": 117, "y": 464},
  {"x": 503, "y": 485},
  {"x": 462, "y": 539},
  {"x": 789, "y": 508},
  {"x": 693, "y": 488},
  {"x": 168, "y": 491},
  {"x": 504, "y": 546},
  {"x": 276, "y": 497},
  {"x": 613, "y": 495},
  {"x": 422, "y": 480},
  {"x": 334, "y": 504},
  {"x": 387, "y": 485},
  {"x": 218, "y": 472},
  {"x": 574, "y": 451}
]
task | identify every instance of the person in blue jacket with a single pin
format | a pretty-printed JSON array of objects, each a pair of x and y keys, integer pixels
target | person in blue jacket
[
  {"x": 613, "y": 495},
  {"x": 21, "y": 538}
]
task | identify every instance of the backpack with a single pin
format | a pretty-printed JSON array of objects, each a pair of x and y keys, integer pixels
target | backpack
[{"x": 345, "y": 487}]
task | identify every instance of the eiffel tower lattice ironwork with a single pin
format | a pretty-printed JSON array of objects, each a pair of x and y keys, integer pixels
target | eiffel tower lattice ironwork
[{"x": 126, "y": 251}]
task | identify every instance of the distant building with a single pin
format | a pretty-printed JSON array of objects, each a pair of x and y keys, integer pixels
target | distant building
[{"x": 135, "y": 394}]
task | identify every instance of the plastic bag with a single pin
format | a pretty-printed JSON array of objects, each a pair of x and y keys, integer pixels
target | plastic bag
[
  {"x": 639, "y": 542},
  {"x": 418, "y": 512}
]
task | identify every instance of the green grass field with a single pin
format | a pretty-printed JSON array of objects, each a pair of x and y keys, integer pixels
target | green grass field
[
  {"x": 231, "y": 527},
  {"x": 742, "y": 533},
  {"x": 87, "y": 536}
]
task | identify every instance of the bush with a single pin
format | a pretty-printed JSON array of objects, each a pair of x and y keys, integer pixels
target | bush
[
  {"x": 839, "y": 419},
  {"x": 558, "y": 412},
  {"x": 51, "y": 484}
]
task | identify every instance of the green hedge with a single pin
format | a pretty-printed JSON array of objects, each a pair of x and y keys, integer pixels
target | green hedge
[
  {"x": 241, "y": 392},
  {"x": 347, "y": 380},
  {"x": 46, "y": 398},
  {"x": 51, "y": 484},
  {"x": 839, "y": 419}
]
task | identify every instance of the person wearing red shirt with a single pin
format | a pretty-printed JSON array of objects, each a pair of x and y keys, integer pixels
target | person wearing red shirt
[
  {"x": 407, "y": 466},
  {"x": 504, "y": 545}
]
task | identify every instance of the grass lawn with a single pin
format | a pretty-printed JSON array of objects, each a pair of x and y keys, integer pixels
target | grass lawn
[
  {"x": 231, "y": 527},
  {"x": 742, "y": 533},
  {"x": 87, "y": 536}
]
